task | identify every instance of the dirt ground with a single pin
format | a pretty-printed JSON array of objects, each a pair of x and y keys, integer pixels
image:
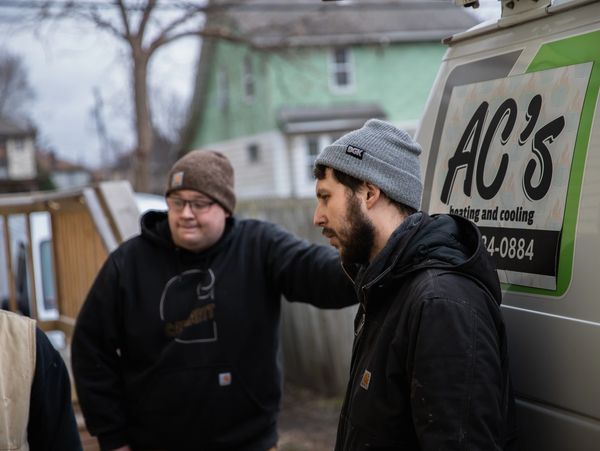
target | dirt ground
[{"x": 308, "y": 421}]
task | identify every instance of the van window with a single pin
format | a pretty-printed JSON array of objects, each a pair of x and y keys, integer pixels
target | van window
[
  {"x": 47, "y": 273},
  {"x": 43, "y": 264}
]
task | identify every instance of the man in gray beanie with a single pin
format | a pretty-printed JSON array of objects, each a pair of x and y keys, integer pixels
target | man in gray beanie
[
  {"x": 429, "y": 367},
  {"x": 176, "y": 346}
]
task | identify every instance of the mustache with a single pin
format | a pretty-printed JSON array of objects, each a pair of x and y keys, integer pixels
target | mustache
[{"x": 329, "y": 233}]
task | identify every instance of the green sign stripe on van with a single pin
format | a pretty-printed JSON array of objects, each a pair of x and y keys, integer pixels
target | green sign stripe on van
[{"x": 566, "y": 52}]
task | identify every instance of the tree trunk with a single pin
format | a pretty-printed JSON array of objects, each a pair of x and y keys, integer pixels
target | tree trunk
[{"x": 143, "y": 125}]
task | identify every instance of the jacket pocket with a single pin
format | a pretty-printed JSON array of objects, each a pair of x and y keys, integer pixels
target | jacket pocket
[
  {"x": 373, "y": 424},
  {"x": 358, "y": 439}
]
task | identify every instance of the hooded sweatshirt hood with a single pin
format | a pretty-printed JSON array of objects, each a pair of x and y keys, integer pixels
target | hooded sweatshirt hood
[
  {"x": 439, "y": 241},
  {"x": 155, "y": 228}
]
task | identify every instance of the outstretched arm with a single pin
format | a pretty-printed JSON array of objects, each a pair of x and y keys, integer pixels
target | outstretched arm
[{"x": 308, "y": 272}]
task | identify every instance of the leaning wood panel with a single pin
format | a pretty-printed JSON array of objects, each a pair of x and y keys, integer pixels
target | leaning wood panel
[{"x": 78, "y": 254}]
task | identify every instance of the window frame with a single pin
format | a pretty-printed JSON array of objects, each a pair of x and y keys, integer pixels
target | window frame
[
  {"x": 346, "y": 66},
  {"x": 253, "y": 153},
  {"x": 223, "y": 89},
  {"x": 248, "y": 79}
]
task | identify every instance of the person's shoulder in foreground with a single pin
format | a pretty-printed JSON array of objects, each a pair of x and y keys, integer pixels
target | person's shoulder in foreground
[{"x": 38, "y": 414}]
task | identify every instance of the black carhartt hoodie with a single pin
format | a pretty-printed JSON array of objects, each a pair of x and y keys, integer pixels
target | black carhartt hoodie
[
  {"x": 177, "y": 350},
  {"x": 429, "y": 367}
]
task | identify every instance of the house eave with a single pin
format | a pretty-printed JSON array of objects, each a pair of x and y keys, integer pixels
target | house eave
[
  {"x": 305, "y": 120},
  {"x": 353, "y": 39}
]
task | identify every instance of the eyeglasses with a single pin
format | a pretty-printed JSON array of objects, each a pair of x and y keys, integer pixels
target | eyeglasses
[{"x": 178, "y": 204}]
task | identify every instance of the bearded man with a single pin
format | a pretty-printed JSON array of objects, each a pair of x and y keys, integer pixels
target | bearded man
[{"x": 429, "y": 368}]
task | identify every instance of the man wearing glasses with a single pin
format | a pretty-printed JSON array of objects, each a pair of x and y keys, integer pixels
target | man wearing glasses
[{"x": 176, "y": 345}]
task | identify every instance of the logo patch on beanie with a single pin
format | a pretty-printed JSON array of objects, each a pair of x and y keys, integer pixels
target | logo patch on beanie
[
  {"x": 177, "y": 179},
  {"x": 355, "y": 152}
]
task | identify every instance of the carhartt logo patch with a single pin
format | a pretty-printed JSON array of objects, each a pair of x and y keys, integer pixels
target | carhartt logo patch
[
  {"x": 224, "y": 379},
  {"x": 355, "y": 152},
  {"x": 366, "y": 380},
  {"x": 177, "y": 179}
]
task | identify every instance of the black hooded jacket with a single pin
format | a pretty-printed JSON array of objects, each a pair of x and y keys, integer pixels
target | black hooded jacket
[
  {"x": 177, "y": 350},
  {"x": 429, "y": 366}
]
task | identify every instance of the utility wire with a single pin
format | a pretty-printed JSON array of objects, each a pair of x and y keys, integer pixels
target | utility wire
[{"x": 282, "y": 6}]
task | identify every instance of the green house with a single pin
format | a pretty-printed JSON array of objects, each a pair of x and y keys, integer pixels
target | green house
[{"x": 292, "y": 76}]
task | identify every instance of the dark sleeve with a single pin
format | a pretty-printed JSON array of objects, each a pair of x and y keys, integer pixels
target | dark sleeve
[
  {"x": 456, "y": 379},
  {"x": 306, "y": 272},
  {"x": 95, "y": 360},
  {"x": 52, "y": 425}
]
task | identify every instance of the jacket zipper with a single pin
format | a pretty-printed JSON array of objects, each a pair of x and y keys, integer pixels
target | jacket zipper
[
  {"x": 360, "y": 325},
  {"x": 363, "y": 318},
  {"x": 347, "y": 407}
]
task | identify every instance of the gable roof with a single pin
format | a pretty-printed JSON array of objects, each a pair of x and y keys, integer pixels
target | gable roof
[
  {"x": 10, "y": 128},
  {"x": 284, "y": 23}
]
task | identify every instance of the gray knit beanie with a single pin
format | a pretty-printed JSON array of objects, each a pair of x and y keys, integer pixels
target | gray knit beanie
[
  {"x": 206, "y": 171},
  {"x": 381, "y": 154}
]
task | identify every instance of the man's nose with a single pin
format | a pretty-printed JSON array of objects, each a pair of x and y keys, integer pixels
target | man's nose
[
  {"x": 318, "y": 217},
  {"x": 187, "y": 210}
]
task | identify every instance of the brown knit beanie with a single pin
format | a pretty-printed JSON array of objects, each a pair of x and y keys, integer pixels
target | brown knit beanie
[{"x": 206, "y": 171}]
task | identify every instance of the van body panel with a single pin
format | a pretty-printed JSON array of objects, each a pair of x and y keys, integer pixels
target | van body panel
[
  {"x": 511, "y": 140},
  {"x": 545, "y": 428}
]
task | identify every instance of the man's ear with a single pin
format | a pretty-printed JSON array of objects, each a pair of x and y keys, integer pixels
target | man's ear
[{"x": 373, "y": 193}]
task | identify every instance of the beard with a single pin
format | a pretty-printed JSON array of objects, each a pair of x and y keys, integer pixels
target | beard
[{"x": 358, "y": 237}]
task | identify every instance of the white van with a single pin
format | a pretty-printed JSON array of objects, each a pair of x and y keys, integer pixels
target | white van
[{"x": 511, "y": 139}]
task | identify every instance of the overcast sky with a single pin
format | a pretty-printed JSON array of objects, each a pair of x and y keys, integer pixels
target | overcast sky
[{"x": 66, "y": 62}]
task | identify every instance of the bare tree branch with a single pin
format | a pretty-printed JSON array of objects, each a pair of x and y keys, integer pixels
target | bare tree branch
[
  {"x": 95, "y": 18},
  {"x": 15, "y": 91},
  {"x": 191, "y": 13},
  {"x": 146, "y": 16},
  {"x": 159, "y": 24},
  {"x": 212, "y": 32},
  {"x": 124, "y": 18}
]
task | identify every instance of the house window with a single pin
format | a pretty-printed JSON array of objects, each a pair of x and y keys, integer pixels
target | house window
[
  {"x": 248, "y": 78},
  {"x": 342, "y": 78},
  {"x": 223, "y": 89},
  {"x": 312, "y": 150},
  {"x": 18, "y": 145},
  {"x": 47, "y": 273},
  {"x": 253, "y": 152}
]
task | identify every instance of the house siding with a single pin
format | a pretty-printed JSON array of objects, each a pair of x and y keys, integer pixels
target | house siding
[
  {"x": 242, "y": 117},
  {"x": 396, "y": 76},
  {"x": 268, "y": 177}
]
